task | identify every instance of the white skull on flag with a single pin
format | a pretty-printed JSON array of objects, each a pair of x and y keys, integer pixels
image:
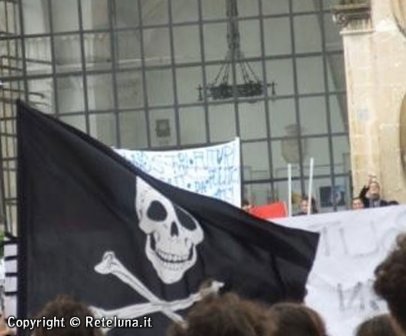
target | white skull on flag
[{"x": 172, "y": 233}]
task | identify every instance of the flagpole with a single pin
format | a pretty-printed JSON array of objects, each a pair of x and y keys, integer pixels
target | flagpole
[
  {"x": 309, "y": 207},
  {"x": 289, "y": 189}
]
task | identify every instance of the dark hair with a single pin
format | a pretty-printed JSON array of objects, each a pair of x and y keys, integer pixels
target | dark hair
[
  {"x": 295, "y": 319},
  {"x": 63, "y": 306},
  {"x": 381, "y": 325},
  {"x": 393, "y": 202},
  {"x": 390, "y": 281},
  {"x": 245, "y": 202},
  {"x": 226, "y": 315},
  {"x": 314, "y": 209}
]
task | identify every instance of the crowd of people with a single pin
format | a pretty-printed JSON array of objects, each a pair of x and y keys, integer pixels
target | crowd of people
[
  {"x": 230, "y": 315},
  {"x": 369, "y": 197}
]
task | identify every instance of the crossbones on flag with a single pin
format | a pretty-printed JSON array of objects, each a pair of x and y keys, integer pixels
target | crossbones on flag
[{"x": 93, "y": 226}]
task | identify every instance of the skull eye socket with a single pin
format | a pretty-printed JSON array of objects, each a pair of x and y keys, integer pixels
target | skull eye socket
[
  {"x": 185, "y": 219},
  {"x": 156, "y": 211}
]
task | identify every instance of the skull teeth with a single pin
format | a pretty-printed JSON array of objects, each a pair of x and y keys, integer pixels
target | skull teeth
[{"x": 171, "y": 258}]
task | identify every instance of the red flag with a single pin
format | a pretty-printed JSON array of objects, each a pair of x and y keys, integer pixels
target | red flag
[{"x": 269, "y": 211}]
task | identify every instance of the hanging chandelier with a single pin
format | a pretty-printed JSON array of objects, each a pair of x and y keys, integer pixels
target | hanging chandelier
[{"x": 222, "y": 88}]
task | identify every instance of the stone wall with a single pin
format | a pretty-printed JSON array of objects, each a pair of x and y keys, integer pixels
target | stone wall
[{"x": 375, "y": 61}]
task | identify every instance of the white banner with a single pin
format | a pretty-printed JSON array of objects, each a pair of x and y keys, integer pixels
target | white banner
[
  {"x": 352, "y": 244},
  {"x": 213, "y": 171}
]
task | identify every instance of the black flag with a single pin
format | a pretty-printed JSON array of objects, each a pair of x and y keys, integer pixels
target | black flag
[{"x": 93, "y": 226}]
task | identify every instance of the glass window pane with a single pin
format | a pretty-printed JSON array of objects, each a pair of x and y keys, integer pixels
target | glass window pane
[
  {"x": 41, "y": 94},
  {"x": 281, "y": 72},
  {"x": 103, "y": 128},
  {"x": 127, "y": 47},
  {"x": 64, "y": 15},
  {"x": 12, "y": 12},
  {"x": 214, "y": 77},
  {"x": 156, "y": 46},
  {"x": 252, "y": 121},
  {"x": 326, "y": 195},
  {"x": 188, "y": 80},
  {"x": 35, "y": 17},
  {"x": 133, "y": 130},
  {"x": 184, "y": 11},
  {"x": 215, "y": 41},
  {"x": 275, "y": 6},
  {"x": 249, "y": 37},
  {"x": 126, "y": 13},
  {"x": 43, "y": 54},
  {"x": 255, "y": 157},
  {"x": 341, "y": 149},
  {"x": 192, "y": 126},
  {"x": 11, "y": 188},
  {"x": 316, "y": 148},
  {"x": 282, "y": 114},
  {"x": 281, "y": 194},
  {"x": 343, "y": 192},
  {"x": 186, "y": 44},
  {"x": 10, "y": 65},
  {"x": 310, "y": 75},
  {"x": 100, "y": 92},
  {"x": 305, "y": 6},
  {"x": 338, "y": 111},
  {"x": 70, "y": 94},
  {"x": 160, "y": 87},
  {"x": 283, "y": 152},
  {"x": 77, "y": 121},
  {"x": 162, "y": 128},
  {"x": 97, "y": 49},
  {"x": 222, "y": 123},
  {"x": 129, "y": 89},
  {"x": 332, "y": 35},
  {"x": 313, "y": 115},
  {"x": 336, "y": 73},
  {"x": 94, "y": 14},
  {"x": 323, "y": 194},
  {"x": 247, "y": 8},
  {"x": 249, "y": 72},
  {"x": 67, "y": 53},
  {"x": 213, "y": 9},
  {"x": 258, "y": 193},
  {"x": 307, "y": 33},
  {"x": 277, "y": 36},
  {"x": 154, "y": 12}
]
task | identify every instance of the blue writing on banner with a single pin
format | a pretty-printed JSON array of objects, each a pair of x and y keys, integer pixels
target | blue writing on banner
[{"x": 212, "y": 171}]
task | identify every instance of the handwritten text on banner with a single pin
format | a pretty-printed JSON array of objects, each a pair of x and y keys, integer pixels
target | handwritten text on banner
[{"x": 212, "y": 171}]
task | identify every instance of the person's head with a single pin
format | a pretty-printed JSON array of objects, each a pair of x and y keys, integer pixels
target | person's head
[
  {"x": 226, "y": 315},
  {"x": 246, "y": 205},
  {"x": 374, "y": 190},
  {"x": 304, "y": 205},
  {"x": 66, "y": 307},
  {"x": 390, "y": 281},
  {"x": 295, "y": 319},
  {"x": 357, "y": 203},
  {"x": 381, "y": 325}
]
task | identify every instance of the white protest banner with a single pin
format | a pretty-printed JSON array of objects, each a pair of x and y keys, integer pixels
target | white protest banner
[
  {"x": 212, "y": 171},
  {"x": 352, "y": 244}
]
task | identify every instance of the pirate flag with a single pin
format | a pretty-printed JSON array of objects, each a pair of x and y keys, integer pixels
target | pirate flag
[{"x": 93, "y": 226}]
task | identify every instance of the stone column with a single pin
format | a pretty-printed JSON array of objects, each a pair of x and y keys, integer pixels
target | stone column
[{"x": 375, "y": 65}]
